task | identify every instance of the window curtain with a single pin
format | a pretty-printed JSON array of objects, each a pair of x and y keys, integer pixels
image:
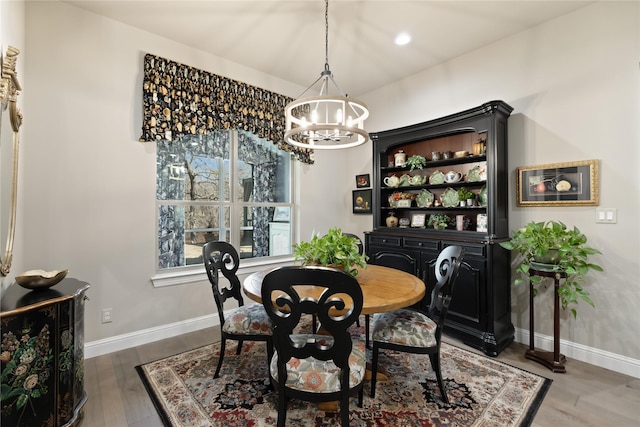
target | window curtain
[{"x": 181, "y": 100}]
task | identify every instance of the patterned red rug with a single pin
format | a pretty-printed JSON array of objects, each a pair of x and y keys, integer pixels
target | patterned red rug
[{"x": 482, "y": 391}]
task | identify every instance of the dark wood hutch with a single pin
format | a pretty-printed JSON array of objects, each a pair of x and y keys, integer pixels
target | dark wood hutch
[{"x": 480, "y": 311}]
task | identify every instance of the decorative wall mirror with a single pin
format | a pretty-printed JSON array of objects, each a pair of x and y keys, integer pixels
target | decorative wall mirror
[{"x": 10, "y": 121}]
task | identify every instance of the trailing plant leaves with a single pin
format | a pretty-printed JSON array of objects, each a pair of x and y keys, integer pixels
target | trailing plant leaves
[{"x": 533, "y": 241}]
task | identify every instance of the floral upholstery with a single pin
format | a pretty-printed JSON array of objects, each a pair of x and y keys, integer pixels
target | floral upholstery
[
  {"x": 318, "y": 376},
  {"x": 404, "y": 327},
  {"x": 248, "y": 319}
]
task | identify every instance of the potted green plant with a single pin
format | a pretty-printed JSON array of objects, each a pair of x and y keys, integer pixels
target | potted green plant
[
  {"x": 331, "y": 250},
  {"x": 464, "y": 195},
  {"x": 416, "y": 162},
  {"x": 551, "y": 245},
  {"x": 438, "y": 221}
]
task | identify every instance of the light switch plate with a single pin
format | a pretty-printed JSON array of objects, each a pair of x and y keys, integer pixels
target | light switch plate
[{"x": 606, "y": 215}]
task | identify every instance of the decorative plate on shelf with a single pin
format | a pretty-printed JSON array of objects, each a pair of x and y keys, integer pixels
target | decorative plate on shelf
[
  {"x": 40, "y": 279},
  {"x": 424, "y": 199},
  {"x": 436, "y": 178},
  {"x": 476, "y": 174},
  {"x": 449, "y": 198},
  {"x": 483, "y": 197}
]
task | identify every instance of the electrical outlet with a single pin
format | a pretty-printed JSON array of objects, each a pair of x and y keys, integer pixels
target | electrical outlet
[{"x": 106, "y": 315}]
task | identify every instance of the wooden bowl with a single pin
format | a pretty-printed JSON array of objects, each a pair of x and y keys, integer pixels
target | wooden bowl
[
  {"x": 40, "y": 279},
  {"x": 459, "y": 154}
]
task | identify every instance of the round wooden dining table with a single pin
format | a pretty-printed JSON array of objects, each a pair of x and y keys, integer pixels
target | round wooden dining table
[{"x": 383, "y": 288}]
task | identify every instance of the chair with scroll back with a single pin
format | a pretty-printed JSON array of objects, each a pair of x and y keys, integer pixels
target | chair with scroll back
[
  {"x": 244, "y": 323},
  {"x": 415, "y": 331},
  {"x": 336, "y": 362}
]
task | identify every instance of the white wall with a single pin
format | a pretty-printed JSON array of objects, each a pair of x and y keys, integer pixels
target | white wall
[
  {"x": 89, "y": 185},
  {"x": 573, "y": 83},
  {"x": 12, "y": 33},
  {"x": 89, "y": 188}
]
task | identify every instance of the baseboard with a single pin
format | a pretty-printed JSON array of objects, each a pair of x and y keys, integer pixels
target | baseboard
[
  {"x": 145, "y": 336},
  {"x": 594, "y": 356},
  {"x": 604, "y": 359}
]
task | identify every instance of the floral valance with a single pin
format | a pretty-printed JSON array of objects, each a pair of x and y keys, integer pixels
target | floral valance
[{"x": 181, "y": 100}]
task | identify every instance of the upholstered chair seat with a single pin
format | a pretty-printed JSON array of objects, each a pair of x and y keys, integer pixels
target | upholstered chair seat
[
  {"x": 405, "y": 327},
  {"x": 321, "y": 376},
  {"x": 249, "y": 319}
]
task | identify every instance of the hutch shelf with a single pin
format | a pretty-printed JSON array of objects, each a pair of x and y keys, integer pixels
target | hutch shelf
[{"x": 470, "y": 148}]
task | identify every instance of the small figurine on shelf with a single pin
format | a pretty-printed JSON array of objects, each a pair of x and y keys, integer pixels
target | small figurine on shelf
[{"x": 392, "y": 220}]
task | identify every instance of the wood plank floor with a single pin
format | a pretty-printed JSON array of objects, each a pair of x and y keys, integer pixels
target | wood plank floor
[{"x": 584, "y": 396}]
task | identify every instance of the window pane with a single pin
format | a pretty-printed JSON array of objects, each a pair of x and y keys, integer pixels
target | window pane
[
  {"x": 263, "y": 170},
  {"x": 196, "y": 167}
]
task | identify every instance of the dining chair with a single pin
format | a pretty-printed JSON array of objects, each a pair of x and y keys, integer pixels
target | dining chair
[
  {"x": 366, "y": 316},
  {"x": 244, "y": 323},
  {"x": 412, "y": 330},
  {"x": 318, "y": 367}
]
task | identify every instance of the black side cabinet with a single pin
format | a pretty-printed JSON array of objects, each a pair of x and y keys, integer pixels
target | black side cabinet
[
  {"x": 470, "y": 148},
  {"x": 43, "y": 355}
]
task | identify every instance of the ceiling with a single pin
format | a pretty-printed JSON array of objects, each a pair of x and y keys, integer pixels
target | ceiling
[{"x": 286, "y": 39}]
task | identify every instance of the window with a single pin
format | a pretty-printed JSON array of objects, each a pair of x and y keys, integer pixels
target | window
[{"x": 227, "y": 185}]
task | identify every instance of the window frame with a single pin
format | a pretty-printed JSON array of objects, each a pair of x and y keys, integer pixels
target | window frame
[{"x": 190, "y": 273}]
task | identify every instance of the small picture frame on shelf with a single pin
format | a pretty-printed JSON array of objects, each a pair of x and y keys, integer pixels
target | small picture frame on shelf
[
  {"x": 363, "y": 181},
  {"x": 418, "y": 220},
  {"x": 362, "y": 201}
]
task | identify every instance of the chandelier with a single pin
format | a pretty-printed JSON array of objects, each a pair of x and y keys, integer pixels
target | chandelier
[{"x": 326, "y": 121}]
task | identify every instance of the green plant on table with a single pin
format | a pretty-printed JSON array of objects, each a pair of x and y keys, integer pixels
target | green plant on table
[
  {"x": 334, "y": 249},
  {"x": 559, "y": 249},
  {"x": 416, "y": 162}
]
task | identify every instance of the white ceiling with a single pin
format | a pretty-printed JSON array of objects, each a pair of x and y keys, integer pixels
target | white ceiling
[{"x": 287, "y": 38}]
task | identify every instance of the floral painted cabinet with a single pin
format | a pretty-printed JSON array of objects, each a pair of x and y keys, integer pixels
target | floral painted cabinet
[{"x": 42, "y": 355}]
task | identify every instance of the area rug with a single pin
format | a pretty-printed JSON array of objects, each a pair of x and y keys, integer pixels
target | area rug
[{"x": 482, "y": 392}]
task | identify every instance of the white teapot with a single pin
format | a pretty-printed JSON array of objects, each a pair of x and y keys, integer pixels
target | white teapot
[
  {"x": 452, "y": 176},
  {"x": 391, "y": 181}
]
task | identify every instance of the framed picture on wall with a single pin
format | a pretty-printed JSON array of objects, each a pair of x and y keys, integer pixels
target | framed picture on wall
[
  {"x": 558, "y": 184},
  {"x": 363, "y": 181},
  {"x": 362, "y": 201}
]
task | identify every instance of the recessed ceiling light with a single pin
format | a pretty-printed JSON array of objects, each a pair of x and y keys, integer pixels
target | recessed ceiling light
[{"x": 402, "y": 39}]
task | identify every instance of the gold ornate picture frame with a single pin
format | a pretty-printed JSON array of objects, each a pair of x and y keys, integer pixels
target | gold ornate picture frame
[{"x": 558, "y": 184}]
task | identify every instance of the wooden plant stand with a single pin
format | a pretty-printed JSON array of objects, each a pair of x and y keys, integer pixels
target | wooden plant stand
[{"x": 552, "y": 360}]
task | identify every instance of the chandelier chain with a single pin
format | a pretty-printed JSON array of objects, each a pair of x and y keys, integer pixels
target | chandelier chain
[{"x": 326, "y": 32}]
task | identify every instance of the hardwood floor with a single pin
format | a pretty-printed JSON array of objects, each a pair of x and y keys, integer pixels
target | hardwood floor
[{"x": 585, "y": 396}]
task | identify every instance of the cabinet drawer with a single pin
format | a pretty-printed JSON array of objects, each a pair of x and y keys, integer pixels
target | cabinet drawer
[
  {"x": 470, "y": 249},
  {"x": 386, "y": 241},
  {"x": 421, "y": 244}
]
